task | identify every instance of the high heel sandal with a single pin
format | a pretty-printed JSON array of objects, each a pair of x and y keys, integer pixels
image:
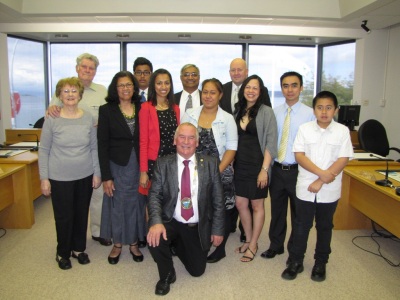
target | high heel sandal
[
  {"x": 248, "y": 258},
  {"x": 114, "y": 260},
  {"x": 239, "y": 249},
  {"x": 137, "y": 258}
]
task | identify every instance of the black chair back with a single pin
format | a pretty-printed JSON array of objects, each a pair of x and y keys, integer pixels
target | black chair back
[{"x": 372, "y": 137}]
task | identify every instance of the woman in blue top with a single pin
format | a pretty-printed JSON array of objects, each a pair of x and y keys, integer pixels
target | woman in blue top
[{"x": 219, "y": 138}]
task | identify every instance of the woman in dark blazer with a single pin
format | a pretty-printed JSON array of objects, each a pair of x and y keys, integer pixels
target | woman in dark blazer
[{"x": 122, "y": 218}]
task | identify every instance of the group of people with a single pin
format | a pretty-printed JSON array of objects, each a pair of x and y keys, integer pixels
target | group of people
[{"x": 176, "y": 169}]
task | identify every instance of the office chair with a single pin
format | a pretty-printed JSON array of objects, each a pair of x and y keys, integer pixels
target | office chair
[
  {"x": 39, "y": 123},
  {"x": 372, "y": 137}
]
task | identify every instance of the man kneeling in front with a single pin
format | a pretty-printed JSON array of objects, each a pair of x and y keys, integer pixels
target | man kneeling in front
[{"x": 186, "y": 206}]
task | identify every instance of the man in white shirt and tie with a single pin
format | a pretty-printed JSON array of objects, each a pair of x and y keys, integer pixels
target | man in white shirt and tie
[
  {"x": 289, "y": 117},
  {"x": 142, "y": 69},
  {"x": 189, "y": 97},
  {"x": 186, "y": 208}
]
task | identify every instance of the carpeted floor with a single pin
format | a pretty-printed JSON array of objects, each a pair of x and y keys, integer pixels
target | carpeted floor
[{"x": 28, "y": 270}]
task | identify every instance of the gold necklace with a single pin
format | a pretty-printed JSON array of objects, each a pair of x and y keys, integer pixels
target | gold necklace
[
  {"x": 162, "y": 107},
  {"x": 125, "y": 115}
]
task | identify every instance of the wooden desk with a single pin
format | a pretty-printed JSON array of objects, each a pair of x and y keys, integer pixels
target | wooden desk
[
  {"x": 363, "y": 200},
  {"x": 16, "y": 209},
  {"x": 29, "y": 135},
  {"x": 30, "y": 159}
]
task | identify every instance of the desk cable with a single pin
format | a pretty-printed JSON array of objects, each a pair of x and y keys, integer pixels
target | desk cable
[
  {"x": 3, "y": 232},
  {"x": 374, "y": 235}
]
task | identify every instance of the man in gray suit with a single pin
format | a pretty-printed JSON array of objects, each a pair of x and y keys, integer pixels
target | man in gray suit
[{"x": 169, "y": 204}]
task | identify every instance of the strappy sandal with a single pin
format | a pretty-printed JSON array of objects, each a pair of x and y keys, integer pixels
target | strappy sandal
[
  {"x": 248, "y": 258},
  {"x": 239, "y": 249}
]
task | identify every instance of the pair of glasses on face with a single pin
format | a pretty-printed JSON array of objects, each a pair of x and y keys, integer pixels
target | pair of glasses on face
[
  {"x": 193, "y": 74},
  {"x": 123, "y": 86},
  {"x": 144, "y": 73},
  {"x": 70, "y": 91}
]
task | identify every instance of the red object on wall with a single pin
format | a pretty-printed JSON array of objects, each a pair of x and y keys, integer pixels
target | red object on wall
[{"x": 15, "y": 104}]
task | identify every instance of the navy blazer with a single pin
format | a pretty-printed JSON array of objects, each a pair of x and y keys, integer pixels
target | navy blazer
[
  {"x": 164, "y": 190},
  {"x": 225, "y": 102},
  {"x": 114, "y": 138}
]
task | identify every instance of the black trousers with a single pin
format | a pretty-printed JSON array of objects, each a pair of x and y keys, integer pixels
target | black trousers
[
  {"x": 71, "y": 200},
  {"x": 282, "y": 190},
  {"x": 306, "y": 212},
  {"x": 219, "y": 251},
  {"x": 188, "y": 250}
]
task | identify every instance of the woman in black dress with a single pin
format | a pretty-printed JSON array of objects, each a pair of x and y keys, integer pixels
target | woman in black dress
[{"x": 257, "y": 148}]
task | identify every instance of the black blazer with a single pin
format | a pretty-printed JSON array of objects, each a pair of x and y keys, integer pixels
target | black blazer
[
  {"x": 225, "y": 102},
  {"x": 163, "y": 195},
  {"x": 177, "y": 99},
  {"x": 114, "y": 139}
]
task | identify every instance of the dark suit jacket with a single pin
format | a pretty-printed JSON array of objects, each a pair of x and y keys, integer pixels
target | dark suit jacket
[
  {"x": 114, "y": 139},
  {"x": 177, "y": 98},
  {"x": 163, "y": 195},
  {"x": 225, "y": 102}
]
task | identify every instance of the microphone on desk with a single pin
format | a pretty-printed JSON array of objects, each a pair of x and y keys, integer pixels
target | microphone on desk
[
  {"x": 386, "y": 181},
  {"x": 37, "y": 140}
]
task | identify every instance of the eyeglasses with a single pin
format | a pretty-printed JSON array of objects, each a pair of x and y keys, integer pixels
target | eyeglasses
[
  {"x": 144, "y": 73},
  {"x": 122, "y": 86},
  {"x": 70, "y": 91},
  {"x": 193, "y": 74}
]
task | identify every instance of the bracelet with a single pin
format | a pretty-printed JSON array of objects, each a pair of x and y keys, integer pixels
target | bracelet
[{"x": 265, "y": 169}]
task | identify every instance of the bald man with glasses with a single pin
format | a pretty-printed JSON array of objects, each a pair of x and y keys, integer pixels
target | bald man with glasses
[{"x": 189, "y": 97}]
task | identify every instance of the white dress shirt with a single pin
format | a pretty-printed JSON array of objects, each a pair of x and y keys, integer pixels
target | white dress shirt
[
  {"x": 194, "y": 185},
  {"x": 184, "y": 99},
  {"x": 234, "y": 95},
  {"x": 323, "y": 147}
]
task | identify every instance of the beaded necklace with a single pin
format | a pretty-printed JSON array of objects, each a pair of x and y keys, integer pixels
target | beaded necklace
[{"x": 125, "y": 115}]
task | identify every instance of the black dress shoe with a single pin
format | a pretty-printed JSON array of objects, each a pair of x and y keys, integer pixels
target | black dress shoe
[
  {"x": 137, "y": 258},
  {"x": 104, "y": 242},
  {"x": 63, "y": 263},
  {"x": 292, "y": 270},
  {"x": 162, "y": 287},
  {"x": 82, "y": 257},
  {"x": 271, "y": 253},
  {"x": 172, "y": 248},
  {"x": 142, "y": 244},
  {"x": 211, "y": 259},
  {"x": 318, "y": 272}
]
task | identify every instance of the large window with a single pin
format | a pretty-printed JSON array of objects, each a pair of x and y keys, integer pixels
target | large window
[
  {"x": 337, "y": 73},
  {"x": 270, "y": 62},
  {"x": 212, "y": 59},
  {"x": 29, "y": 84},
  {"x": 63, "y": 61},
  {"x": 27, "y": 81}
]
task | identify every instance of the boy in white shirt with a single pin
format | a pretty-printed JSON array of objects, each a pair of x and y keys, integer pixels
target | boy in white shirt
[{"x": 322, "y": 149}]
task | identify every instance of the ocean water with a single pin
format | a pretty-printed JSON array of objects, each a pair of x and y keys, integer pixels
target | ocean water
[{"x": 32, "y": 108}]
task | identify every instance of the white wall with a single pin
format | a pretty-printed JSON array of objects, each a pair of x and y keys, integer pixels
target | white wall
[
  {"x": 5, "y": 104},
  {"x": 376, "y": 78}
]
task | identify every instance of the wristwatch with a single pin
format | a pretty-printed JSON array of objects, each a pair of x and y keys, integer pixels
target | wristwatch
[{"x": 265, "y": 169}]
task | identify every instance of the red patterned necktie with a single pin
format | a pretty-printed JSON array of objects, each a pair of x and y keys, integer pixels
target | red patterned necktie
[{"x": 186, "y": 201}]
